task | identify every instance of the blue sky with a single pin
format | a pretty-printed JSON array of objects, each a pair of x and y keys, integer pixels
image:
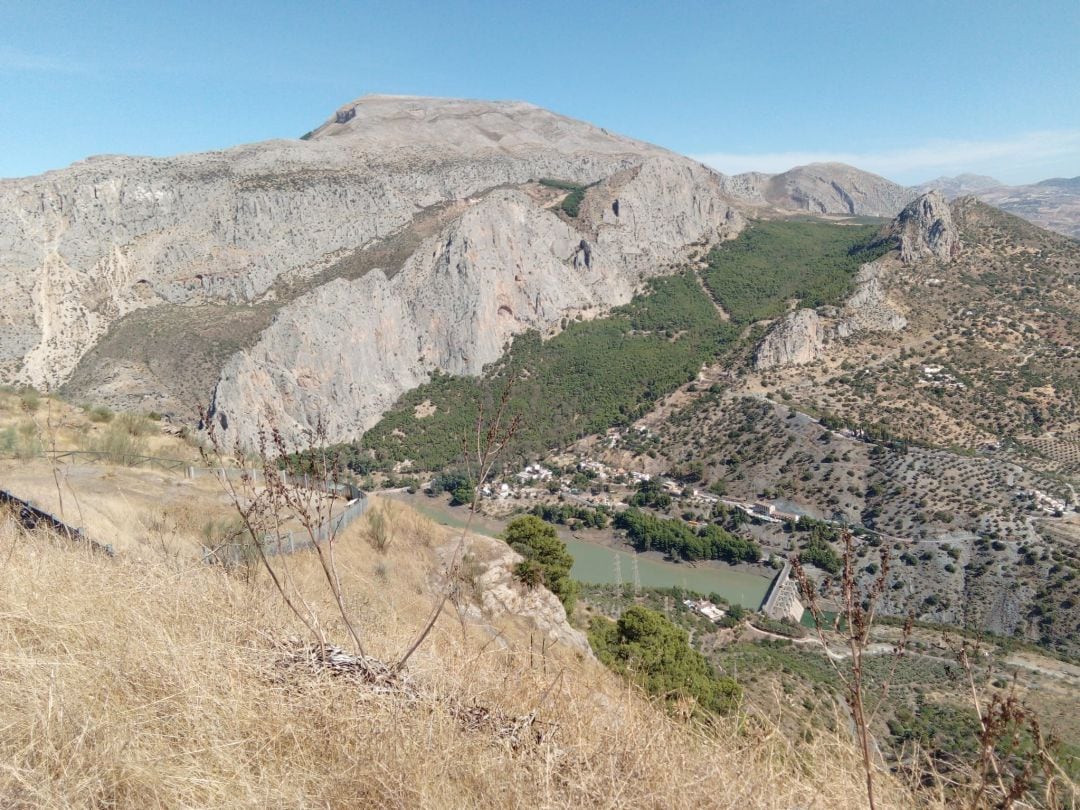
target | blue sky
[{"x": 910, "y": 89}]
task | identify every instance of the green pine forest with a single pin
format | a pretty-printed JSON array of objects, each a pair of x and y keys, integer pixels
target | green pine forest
[{"x": 608, "y": 372}]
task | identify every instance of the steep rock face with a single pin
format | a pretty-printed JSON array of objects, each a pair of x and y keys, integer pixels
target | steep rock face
[
  {"x": 344, "y": 353},
  {"x": 82, "y": 246},
  {"x": 798, "y": 338},
  {"x": 500, "y": 594},
  {"x": 869, "y": 308},
  {"x": 803, "y": 336},
  {"x": 926, "y": 230}
]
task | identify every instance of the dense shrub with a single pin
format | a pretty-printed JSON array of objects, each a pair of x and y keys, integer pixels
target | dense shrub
[
  {"x": 565, "y": 513},
  {"x": 648, "y": 649},
  {"x": 770, "y": 263},
  {"x": 546, "y": 561}
]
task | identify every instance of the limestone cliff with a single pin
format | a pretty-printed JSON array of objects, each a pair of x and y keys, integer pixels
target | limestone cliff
[
  {"x": 318, "y": 279},
  {"x": 83, "y": 246},
  {"x": 798, "y": 338},
  {"x": 346, "y": 351},
  {"x": 925, "y": 230}
]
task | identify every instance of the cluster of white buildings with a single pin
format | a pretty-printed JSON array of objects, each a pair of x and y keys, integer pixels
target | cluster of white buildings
[
  {"x": 937, "y": 376},
  {"x": 534, "y": 472},
  {"x": 1046, "y": 502},
  {"x": 706, "y": 608}
]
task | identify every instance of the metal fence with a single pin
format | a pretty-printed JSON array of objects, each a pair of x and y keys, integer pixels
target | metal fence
[
  {"x": 124, "y": 459},
  {"x": 299, "y": 539},
  {"x": 192, "y": 470},
  {"x": 273, "y": 544}
]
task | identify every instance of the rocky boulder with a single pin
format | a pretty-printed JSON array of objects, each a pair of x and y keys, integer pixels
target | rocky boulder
[
  {"x": 496, "y": 594},
  {"x": 869, "y": 308}
]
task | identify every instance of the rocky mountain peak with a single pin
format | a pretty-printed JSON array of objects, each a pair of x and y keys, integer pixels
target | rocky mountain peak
[
  {"x": 925, "y": 230},
  {"x": 823, "y": 188},
  {"x": 378, "y": 123}
]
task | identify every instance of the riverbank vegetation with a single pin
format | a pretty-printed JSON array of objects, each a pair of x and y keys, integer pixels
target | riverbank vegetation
[{"x": 678, "y": 539}]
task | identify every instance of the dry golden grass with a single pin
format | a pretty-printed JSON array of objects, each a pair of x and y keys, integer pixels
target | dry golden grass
[
  {"x": 33, "y": 422},
  {"x": 129, "y": 683},
  {"x": 134, "y": 509}
]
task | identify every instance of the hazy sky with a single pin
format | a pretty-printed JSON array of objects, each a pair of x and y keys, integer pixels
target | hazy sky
[{"x": 911, "y": 90}]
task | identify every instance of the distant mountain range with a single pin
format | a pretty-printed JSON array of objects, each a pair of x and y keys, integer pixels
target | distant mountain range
[
  {"x": 1052, "y": 204},
  {"x": 836, "y": 188},
  {"x": 411, "y": 236}
]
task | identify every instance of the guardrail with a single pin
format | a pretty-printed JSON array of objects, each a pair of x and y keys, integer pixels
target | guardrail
[
  {"x": 299, "y": 539},
  {"x": 192, "y": 470},
  {"x": 31, "y": 517},
  {"x": 124, "y": 459}
]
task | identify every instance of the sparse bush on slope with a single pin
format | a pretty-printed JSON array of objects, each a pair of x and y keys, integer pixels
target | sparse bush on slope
[
  {"x": 117, "y": 443},
  {"x": 547, "y": 562}
]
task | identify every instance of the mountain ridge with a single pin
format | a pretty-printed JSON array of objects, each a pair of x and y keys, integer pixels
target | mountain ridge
[
  {"x": 106, "y": 263},
  {"x": 237, "y": 234}
]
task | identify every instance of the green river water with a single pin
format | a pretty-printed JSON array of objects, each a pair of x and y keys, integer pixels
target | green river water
[{"x": 597, "y": 563}]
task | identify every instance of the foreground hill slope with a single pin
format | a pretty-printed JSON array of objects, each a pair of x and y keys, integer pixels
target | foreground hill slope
[{"x": 184, "y": 692}]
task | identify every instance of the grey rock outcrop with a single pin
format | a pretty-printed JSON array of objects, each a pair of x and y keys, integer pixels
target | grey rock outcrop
[
  {"x": 868, "y": 308},
  {"x": 501, "y": 595},
  {"x": 798, "y": 338},
  {"x": 804, "y": 335},
  {"x": 345, "y": 352},
  {"x": 925, "y": 230},
  {"x": 265, "y": 225}
]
